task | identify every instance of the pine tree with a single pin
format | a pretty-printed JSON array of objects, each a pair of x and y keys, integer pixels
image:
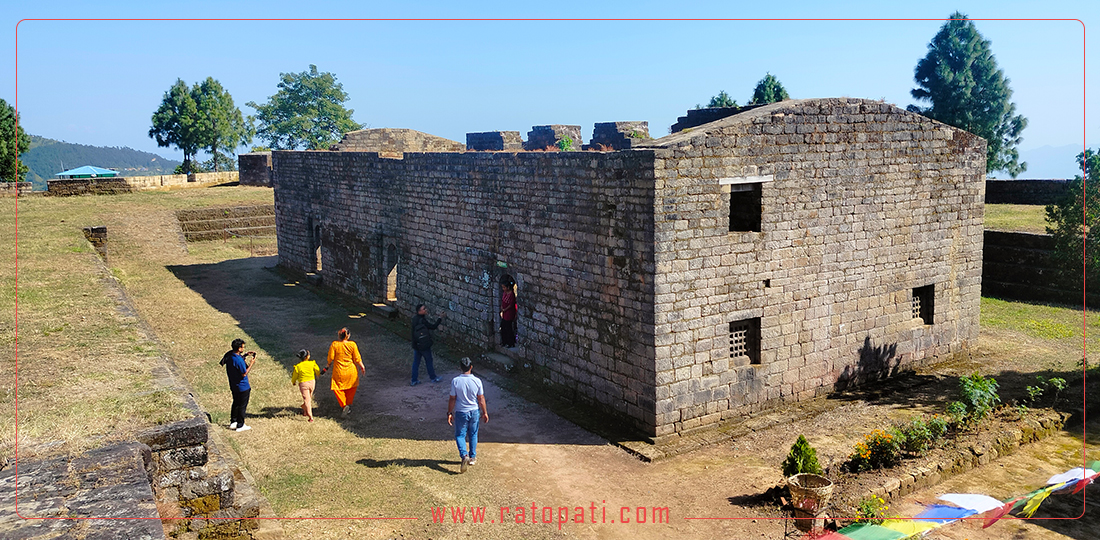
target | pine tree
[
  {"x": 960, "y": 78},
  {"x": 722, "y": 100},
  {"x": 13, "y": 142},
  {"x": 768, "y": 90}
]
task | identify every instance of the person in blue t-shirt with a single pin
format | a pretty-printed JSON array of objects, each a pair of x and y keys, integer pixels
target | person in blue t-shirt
[
  {"x": 237, "y": 371},
  {"x": 467, "y": 398}
]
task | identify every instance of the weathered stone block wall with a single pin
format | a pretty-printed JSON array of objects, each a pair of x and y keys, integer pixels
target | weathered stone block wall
[
  {"x": 126, "y": 184},
  {"x": 697, "y": 117},
  {"x": 494, "y": 140},
  {"x": 255, "y": 169},
  {"x": 395, "y": 140},
  {"x": 1041, "y": 192},
  {"x": 543, "y": 137},
  {"x": 574, "y": 229},
  {"x": 618, "y": 135},
  {"x": 865, "y": 203},
  {"x": 15, "y": 189},
  {"x": 1021, "y": 266}
]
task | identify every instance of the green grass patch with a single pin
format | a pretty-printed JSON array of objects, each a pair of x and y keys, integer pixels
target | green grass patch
[{"x": 1016, "y": 218}]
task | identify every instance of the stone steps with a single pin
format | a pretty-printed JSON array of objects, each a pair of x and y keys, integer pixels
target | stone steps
[{"x": 199, "y": 225}]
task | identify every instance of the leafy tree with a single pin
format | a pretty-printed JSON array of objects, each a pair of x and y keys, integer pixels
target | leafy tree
[
  {"x": 307, "y": 111},
  {"x": 13, "y": 142},
  {"x": 221, "y": 128},
  {"x": 722, "y": 100},
  {"x": 176, "y": 122},
  {"x": 1078, "y": 212},
  {"x": 960, "y": 78},
  {"x": 768, "y": 90}
]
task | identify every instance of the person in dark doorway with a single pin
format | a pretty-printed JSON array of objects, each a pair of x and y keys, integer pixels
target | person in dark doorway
[
  {"x": 508, "y": 312},
  {"x": 467, "y": 399},
  {"x": 422, "y": 344},
  {"x": 237, "y": 371}
]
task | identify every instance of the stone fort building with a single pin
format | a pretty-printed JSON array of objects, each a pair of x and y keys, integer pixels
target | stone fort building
[{"x": 773, "y": 255}]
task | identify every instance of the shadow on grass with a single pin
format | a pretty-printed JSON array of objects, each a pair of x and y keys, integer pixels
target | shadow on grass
[{"x": 434, "y": 464}]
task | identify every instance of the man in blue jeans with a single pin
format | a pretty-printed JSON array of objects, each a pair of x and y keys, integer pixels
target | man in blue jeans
[
  {"x": 467, "y": 399},
  {"x": 422, "y": 343}
]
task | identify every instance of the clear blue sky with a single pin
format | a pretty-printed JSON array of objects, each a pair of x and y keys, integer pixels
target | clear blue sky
[{"x": 98, "y": 82}]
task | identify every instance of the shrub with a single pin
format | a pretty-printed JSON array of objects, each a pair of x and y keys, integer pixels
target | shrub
[
  {"x": 937, "y": 426},
  {"x": 920, "y": 434},
  {"x": 871, "y": 510},
  {"x": 801, "y": 459},
  {"x": 979, "y": 395},
  {"x": 957, "y": 411},
  {"x": 565, "y": 144},
  {"x": 1042, "y": 384},
  {"x": 878, "y": 449}
]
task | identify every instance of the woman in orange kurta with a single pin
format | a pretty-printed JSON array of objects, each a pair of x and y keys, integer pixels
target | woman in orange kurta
[{"x": 343, "y": 358}]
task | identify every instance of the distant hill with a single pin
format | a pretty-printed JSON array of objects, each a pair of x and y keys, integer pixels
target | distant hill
[
  {"x": 48, "y": 157},
  {"x": 1048, "y": 161}
]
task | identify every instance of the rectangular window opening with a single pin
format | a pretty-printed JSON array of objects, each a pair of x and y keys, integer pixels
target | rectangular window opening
[
  {"x": 745, "y": 342},
  {"x": 745, "y": 212},
  {"x": 924, "y": 303}
]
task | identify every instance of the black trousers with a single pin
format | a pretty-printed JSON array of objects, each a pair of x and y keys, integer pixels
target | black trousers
[
  {"x": 508, "y": 333},
  {"x": 240, "y": 403}
]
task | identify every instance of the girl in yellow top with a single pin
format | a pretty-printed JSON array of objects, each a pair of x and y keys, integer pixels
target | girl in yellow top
[
  {"x": 343, "y": 358},
  {"x": 305, "y": 375}
]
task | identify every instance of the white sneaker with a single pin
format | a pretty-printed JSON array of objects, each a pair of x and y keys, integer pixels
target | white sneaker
[
  {"x": 233, "y": 425},
  {"x": 243, "y": 428},
  {"x": 472, "y": 462}
]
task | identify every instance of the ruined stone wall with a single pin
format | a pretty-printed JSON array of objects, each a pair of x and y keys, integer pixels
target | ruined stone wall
[
  {"x": 573, "y": 228},
  {"x": 126, "y": 184},
  {"x": 1025, "y": 191},
  {"x": 15, "y": 189},
  {"x": 861, "y": 203},
  {"x": 395, "y": 140},
  {"x": 255, "y": 169}
]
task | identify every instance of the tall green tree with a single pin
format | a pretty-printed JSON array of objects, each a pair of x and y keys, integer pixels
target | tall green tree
[
  {"x": 722, "y": 100},
  {"x": 1078, "y": 213},
  {"x": 960, "y": 78},
  {"x": 307, "y": 112},
  {"x": 13, "y": 142},
  {"x": 221, "y": 127},
  {"x": 175, "y": 123},
  {"x": 768, "y": 90}
]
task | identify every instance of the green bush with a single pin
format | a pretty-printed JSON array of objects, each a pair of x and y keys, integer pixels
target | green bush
[
  {"x": 801, "y": 459},
  {"x": 879, "y": 449},
  {"x": 871, "y": 510},
  {"x": 920, "y": 434},
  {"x": 979, "y": 395},
  {"x": 565, "y": 144}
]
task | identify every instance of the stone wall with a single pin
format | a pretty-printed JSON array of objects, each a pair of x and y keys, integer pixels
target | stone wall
[
  {"x": 860, "y": 204},
  {"x": 389, "y": 140},
  {"x": 697, "y": 117},
  {"x": 126, "y": 184},
  {"x": 865, "y": 256},
  {"x": 1041, "y": 192},
  {"x": 1021, "y": 266},
  {"x": 544, "y": 137},
  {"x": 255, "y": 169},
  {"x": 494, "y": 140},
  {"x": 14, "y": 189},
  {"x": 573, "y": 228},
  {"x": 618, "y": 135}
]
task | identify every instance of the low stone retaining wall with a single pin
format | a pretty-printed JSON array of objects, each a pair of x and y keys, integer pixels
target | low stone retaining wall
[
  {"x": 15, "y": 189},
  {"x": 126, "y": 184},
  {"x": 1039, "y": 192},
  {"x": 929, "y": 472},
  {"x": 1020, "y": 266},
  {"x": 220, "y": 223}
]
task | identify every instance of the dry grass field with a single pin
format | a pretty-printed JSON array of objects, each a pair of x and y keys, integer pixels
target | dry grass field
[{"x": 84, "y": 379}]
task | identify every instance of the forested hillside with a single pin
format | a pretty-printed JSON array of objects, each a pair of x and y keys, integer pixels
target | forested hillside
[{"x": 48, "y": 157}]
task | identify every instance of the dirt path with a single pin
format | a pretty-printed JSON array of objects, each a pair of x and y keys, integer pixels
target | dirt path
[{"x": 395, "y": 458}]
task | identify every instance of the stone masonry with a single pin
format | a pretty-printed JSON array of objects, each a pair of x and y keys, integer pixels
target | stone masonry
[
  {"x": 494, "y": 140},
  {"x": 255, "y": 168},
  {"x": 395, "y": 140},
  {"x": 773, "y": 255},
  {"x": 543, "y": 137}
]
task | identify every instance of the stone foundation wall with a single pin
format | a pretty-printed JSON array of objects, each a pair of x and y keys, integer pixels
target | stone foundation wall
[
  {"x": 618, "y": 135},
  {"x": 494, "y": 140},
  {"x": 543, "y": 137},
  {"x": 15, "y": 189},
  {"x": 388, "y": 140},
  {"x": 1021, "y": 266},
  {"x": 126, "y": 184},
  {"x": 861, "y": 203},
  {"x": 255, "y": 169},
  {"x": 1040, "y": 192},
  {"x": 574, "y": 229}
]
